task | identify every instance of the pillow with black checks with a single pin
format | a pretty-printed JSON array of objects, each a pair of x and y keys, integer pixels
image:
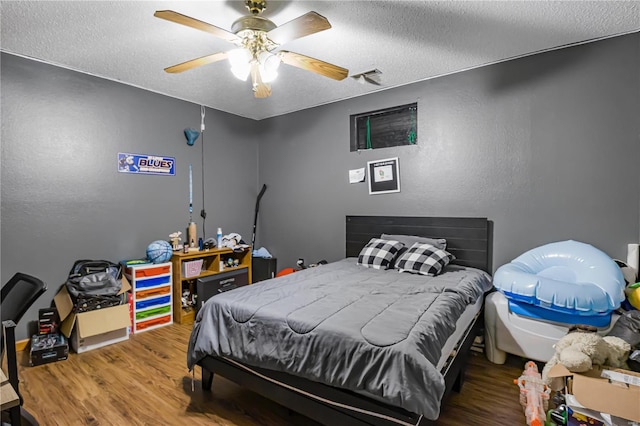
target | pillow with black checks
[
  {"x": 379, "y": 253},
  {"x": 423, "y": 259}
]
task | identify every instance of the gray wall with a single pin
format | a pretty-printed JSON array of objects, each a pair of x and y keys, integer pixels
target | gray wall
[
  {"x": 547, "y": 147},
  {"x": 62, "y": 197}
]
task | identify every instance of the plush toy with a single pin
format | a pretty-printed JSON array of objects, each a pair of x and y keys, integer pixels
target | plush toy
[
  {"x": 175, "y": 238},
  {"x": 580, "y": 351}
]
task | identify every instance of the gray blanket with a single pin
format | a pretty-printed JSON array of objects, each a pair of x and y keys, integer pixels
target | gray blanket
[{"x": 375, "y": 332}]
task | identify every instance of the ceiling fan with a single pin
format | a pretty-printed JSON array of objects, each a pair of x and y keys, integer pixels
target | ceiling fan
[{"x": 257, "y": 40}]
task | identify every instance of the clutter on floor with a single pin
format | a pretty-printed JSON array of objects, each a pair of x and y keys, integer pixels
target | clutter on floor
[
  {"x": 49, "y": 345},
  {"x": 93, "y": 305},
  {"x": 545, "y": 291},
  {"x": 534, "y": 394}
]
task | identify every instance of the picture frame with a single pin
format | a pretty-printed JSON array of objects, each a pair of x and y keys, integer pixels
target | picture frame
[{"x": 384, "y": 176}]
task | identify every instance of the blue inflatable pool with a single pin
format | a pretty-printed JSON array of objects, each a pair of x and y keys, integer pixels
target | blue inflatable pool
[{"x": 568, "y": 277}]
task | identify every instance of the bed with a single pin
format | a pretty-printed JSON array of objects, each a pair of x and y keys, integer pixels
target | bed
[{"x": 346, "y": 344}]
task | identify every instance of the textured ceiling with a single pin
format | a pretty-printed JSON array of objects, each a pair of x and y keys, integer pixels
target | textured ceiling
[{"x": 407, "y": 40}]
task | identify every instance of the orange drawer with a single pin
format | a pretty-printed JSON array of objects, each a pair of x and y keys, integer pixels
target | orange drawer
[
  {"x": 143, "y": 294},
  {"x": 152, "y": 323},
  {"x": 151, "y": 272}
]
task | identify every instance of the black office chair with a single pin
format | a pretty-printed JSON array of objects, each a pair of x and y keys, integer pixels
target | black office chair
[{"x": 16, "y": 297}]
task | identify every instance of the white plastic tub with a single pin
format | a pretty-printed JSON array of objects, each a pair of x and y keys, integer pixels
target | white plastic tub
[{"x": 506, "y": 332}]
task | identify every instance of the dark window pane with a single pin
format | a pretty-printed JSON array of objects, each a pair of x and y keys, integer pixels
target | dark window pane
[{"x": 385, "y": 128}]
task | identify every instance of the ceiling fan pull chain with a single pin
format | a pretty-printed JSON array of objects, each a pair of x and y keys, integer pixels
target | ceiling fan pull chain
[{"x": 368, "y": 133}]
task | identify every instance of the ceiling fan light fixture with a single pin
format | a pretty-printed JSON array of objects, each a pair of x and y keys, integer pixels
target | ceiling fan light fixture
[
  {"x": 241, "y": 73},
  {"x": 268, "y": 66},
  {"x": 240, "y": 63},
  {"x": 255, "y": 38},
  {"x": 269, "y": 61},
  {"x": 266, "y": 75}
]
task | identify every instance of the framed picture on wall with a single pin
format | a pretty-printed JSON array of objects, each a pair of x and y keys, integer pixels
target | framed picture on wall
[{"x": 384, "y": 176}]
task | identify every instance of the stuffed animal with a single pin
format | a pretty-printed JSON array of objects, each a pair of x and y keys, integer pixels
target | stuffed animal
[
  {"x": 175, "y": 238},
  {"x": 580, "y": 351}
]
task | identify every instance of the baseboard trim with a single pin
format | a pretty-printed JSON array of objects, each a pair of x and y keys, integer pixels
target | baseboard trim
[{"x": 21, "y": 345}]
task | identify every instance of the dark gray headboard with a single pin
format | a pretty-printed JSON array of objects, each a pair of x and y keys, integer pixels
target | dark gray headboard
[{"x": 468, "y": 238}]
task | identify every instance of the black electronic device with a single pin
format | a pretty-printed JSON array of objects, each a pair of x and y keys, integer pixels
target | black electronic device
[
  {"x": 47, "y": 348},
  {"x": 263, "y": 268},
  {"x": 207, "y": 287},
  {"x": 48, "y": 321}
]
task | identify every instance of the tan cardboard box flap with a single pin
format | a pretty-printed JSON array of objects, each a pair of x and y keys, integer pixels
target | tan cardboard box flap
[
  {"x": 559, "y": 370},
  {"x": 598, "y": 393},
  {"x": 67, "y": 325},
  {"x": 63, "y": 302},
  {"x": 125, "y": 285},
  {"x": 101, "y": 321}
]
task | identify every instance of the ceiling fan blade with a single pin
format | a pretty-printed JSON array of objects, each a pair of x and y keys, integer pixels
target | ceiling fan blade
[
  {"x": 314, "y": 65},
  {"x": 260, "y": 88},
  {"x": 309, "y": 23},
  {"x": 204, "y": 60},
  {"x": 179, "y": 18}
]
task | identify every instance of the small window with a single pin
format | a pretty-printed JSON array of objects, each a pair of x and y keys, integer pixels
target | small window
[{"x": 385, "y": 128}]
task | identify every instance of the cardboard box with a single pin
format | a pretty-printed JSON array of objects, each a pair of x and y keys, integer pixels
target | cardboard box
[
  {"x": 602, "y": 394},
  {"x": 93, "y": 329},
  {"x": 46, "y": 348}
]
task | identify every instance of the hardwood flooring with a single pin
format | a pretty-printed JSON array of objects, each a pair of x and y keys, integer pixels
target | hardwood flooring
[{"x": 144, "y": 381}]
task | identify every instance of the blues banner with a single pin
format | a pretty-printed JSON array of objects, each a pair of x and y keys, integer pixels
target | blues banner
[{"x": 146, "y": 164}]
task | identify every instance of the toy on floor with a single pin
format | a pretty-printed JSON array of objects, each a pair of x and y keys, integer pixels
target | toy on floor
[
  {"x": 534, "y": 394},
  {"x": 581, "y": 349}
]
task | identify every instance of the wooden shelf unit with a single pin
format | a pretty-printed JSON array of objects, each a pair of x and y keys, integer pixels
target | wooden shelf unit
[{"x": 210, "y": 266}]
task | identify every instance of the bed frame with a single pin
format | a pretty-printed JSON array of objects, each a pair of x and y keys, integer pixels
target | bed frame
[{"x": 469, "y": 239}]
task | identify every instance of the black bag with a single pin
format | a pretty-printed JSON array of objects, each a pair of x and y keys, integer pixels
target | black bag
[{"x": 92, "y": 278}]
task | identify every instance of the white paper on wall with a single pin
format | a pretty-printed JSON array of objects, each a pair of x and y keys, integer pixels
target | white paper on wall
[
  {"x": 356, "y": 175},
  {"x": 633, "y": 256}
]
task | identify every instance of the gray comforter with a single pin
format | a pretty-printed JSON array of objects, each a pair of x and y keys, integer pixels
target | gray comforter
[{"x": 376, "y": 332}]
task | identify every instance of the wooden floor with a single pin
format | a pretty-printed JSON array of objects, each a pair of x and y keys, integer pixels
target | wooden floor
[{"x": 144, "y": 381}]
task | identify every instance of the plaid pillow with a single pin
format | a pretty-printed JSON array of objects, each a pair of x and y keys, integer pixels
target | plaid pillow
[
  {"x": 378, "y": 253},
  {"x": 423, "y": 259}
]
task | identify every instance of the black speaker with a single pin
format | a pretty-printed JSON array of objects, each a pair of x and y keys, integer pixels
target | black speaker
[
  {"x": 211, "y": 285},
  {"x": 263, "y": 269}
]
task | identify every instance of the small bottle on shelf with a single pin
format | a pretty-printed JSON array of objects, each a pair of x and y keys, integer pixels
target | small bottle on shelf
[{"x": 219, "y": 238}]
